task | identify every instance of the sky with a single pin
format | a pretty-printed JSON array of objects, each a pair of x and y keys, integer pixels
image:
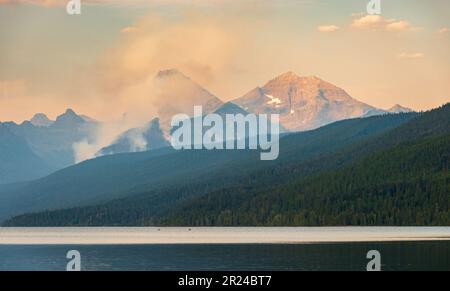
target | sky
[{"x": 101, "y": 63}]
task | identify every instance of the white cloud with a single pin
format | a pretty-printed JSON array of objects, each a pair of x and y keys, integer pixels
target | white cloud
[
  {"x": 129, "y": 29},
  {"x": 378, "y": 22},
  {"x": 61, "y": 3},
  {"x": 328, "y": 28},
  {"x": 398, "y": 25},
  {"x": 44, "y": 3},
  {"x": 444, "y": 30},
  {"x": 367, "y": 21},
  {"x": 411, "y": 56}
]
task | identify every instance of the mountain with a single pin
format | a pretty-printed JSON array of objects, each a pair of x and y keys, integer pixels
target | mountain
[
  {"x": 69, "y": 120},
  {"x": 304, "y": 103},
  {"x": 41, "y": 119},
  {"x": 406, "y": 185},
  {"x": 179, "y": 94},
  {"x": 163, "y": 177},
  {"x": 54, "y": 143},
  {"x": 230, "y": 108},
  {"x": 150, "y": 137},
  {"x": 395, "y": 175},
  {"x": 399, "y": 109},
  {"x": 88, "y": 119},
  {"x": 17, "y": 161},
  {"x": 399, "y": 177}
]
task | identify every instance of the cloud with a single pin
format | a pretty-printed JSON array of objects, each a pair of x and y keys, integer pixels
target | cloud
[
  {"x": 202, "y": 47},
  {"x": 63, "y": 3},
  {"x": 328, "y": 28},
  {"x": 444, "y": 30},
  {"x": 107, "y": 133},
  {"x": 378, "y": 22},
  {"x": 411, "y": 56},
  {"x": 45, "y": 3},
  {"x": 367, "y": 21},
  {"x": 129, "y": 29},
  {"x": 398, "y": 25}
]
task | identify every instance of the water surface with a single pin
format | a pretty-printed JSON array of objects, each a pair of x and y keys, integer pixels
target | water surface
[{"x": 409, "y": 256}]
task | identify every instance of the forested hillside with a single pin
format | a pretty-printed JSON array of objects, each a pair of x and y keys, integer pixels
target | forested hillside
[
  {"x": 397, "y": 176},
  {"x": 164, "y": 176},
  {"x": 406, "y": 185}
]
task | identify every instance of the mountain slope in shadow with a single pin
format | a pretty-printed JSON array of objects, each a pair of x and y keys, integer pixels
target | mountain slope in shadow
[{"x": 150, "y": 174}]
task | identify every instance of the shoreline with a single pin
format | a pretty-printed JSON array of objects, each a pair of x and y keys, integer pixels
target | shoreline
[{"x": 217, "y": 235}]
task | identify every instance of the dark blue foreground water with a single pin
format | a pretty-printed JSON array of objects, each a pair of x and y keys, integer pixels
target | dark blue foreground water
[{"x": 341, "y": 256}]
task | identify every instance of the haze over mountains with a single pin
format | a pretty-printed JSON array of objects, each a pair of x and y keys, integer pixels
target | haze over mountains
[
  {"x": 50, "y": 142},
  {"x": 150, "y": 137},
  {"x": 380, "y": 170},
  {"x": 158, "y": 171},
  {"x": 158, "y": 185},
  {"x": 179, "y": 94},
  {"x": 304, "y": 103}
]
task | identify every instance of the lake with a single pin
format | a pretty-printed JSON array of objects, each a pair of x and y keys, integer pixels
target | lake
[
  {"x": 247, "y": 257},
  {"x": 229, "y": 249}
]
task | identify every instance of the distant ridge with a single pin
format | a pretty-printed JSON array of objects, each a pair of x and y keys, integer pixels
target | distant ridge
[
  {"x": 53, "y": 141},
  {"x": 41, "y": 119},
  {"x": 399, "y": 109}
]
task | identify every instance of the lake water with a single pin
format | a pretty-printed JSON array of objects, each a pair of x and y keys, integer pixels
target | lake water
[
  {"x": 229, "y": 249},
  {"x": 429, "y": 255}
]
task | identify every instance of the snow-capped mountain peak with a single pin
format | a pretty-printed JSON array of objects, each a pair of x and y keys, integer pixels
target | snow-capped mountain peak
[{"x": 304, "y": 103}]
